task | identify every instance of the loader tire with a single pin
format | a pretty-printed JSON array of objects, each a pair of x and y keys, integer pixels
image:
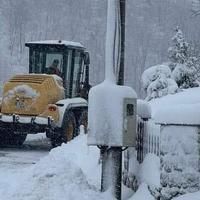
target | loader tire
[
  {"x": 67, "y": 131},
  {"x": 9, "y": 139},
  {"x": 17, "y": 140},
  {"x": 4, "y": 139}
]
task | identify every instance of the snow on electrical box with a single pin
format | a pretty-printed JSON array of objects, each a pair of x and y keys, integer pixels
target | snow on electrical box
[{"x": 112, "y": 115}]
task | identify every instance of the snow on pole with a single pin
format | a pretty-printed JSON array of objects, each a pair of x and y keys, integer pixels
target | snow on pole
[{"x": 112, "y": 41}]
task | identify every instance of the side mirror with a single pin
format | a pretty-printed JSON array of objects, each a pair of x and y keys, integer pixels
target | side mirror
[{"x": 86, "y": 58}]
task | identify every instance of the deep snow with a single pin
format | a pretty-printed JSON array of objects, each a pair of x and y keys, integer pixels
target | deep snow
[
  {"x": 71, "y": 171},
  {"x": 179, "y": 108},
  {"x": 185, "y": 105},
  {"x": 67, "y": 172}
]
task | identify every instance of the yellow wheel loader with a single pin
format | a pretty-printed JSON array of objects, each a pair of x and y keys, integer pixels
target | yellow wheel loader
[{"x": 43, "y": 100}]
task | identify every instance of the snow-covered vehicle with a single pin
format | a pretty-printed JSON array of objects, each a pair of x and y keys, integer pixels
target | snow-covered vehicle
[{"x": 43, "y": 102}]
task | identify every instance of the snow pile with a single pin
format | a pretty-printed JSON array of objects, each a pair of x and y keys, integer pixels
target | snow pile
[
  {"x": 157, "y": 81},
  {"x": 180, "y": 108},
  {"x": 183, "y": 114},
  {"x": 140, "y": 175},
  {"x": 150, "y": 171},
  {"x": 105, "y": 113},
  {"x": 142, "y": 193},
  {"x": 191, "y": 196},
  {"x": 130, "y": 175},
  {"x": 66, "y": 173}
]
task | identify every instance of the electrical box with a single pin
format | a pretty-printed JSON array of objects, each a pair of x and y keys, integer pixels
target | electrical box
[
  {"x": 129, "y": 122},
  {"x": 112, "y": 114}
]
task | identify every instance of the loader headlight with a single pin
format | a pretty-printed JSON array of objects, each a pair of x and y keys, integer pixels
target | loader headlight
[{"x": 52, "y": 108}]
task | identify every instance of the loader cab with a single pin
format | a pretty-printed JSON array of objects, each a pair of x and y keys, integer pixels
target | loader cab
[{"x": 72, "y": 63}]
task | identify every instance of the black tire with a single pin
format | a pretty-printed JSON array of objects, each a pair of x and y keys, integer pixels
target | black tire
[
  {"x": 67, "y": 131},
  {"x": 4, "y": 138},
  {"x": 10, "y": 139},
  {"x": 56, "y": 141},
  {"x": 17, "y": 140}
]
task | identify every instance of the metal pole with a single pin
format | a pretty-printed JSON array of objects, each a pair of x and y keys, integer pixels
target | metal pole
[
  {"x": 122, "y": 53},
  {"x": 117, "y": 151},
  {"x": 112, "y": 157},
  {"x": 111, "y": 175},
  {"x": 116, "y": 154}
]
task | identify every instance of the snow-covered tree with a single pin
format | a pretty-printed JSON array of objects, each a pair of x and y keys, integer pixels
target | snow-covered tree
[
  {"x": 157, "y": 81},
  {"x": 180, "y": 51},
  {"x": 184, "y": 64}
]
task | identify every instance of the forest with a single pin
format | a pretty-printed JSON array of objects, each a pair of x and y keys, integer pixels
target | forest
[{"x": 150, "y": 25}]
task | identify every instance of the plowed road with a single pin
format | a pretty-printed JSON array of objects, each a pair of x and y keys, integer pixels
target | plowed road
[{"x": 34, "y": 148}]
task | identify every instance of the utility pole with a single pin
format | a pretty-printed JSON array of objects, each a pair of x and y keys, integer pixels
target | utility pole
[
  {"x": 107, "y": 132},
  {"x": 113, "y": 155},
  {"x": 116, "y": 152},
  {"x": 122, "y": 4}
]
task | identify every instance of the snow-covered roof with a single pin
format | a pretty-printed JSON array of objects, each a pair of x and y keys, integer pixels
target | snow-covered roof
[
  {"x": 181, "y": 108},
  {"x": 58, "y": 42}
]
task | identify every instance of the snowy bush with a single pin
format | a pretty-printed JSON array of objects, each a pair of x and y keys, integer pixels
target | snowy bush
[
  {"x": 184, "y": 64},
  {"x": 179, "y": 161},
  {"x": 157, "y": 81},
  {"x": 184, "y": 76}
]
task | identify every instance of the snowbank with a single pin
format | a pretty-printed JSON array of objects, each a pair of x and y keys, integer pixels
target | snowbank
[
  {"x": 150, "y": 170},
  {"x": 180, "y": 108},
  {"x": 142, "y": 193},
  {"x": 66, "y": 173},
  {"x": 191, "y": 196}
]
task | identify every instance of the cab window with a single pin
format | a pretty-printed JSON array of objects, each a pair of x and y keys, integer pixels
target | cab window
[
  {"x": 76, "y": 73},
  {"x": 68, "y": 72},
  {"x": 41, "y": 61},
  {"x": 51, "y": 57}
]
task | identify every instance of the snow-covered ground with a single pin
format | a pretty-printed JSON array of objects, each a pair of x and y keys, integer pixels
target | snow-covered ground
[
  {"x": 192, "y": 196},
  {"x": 180, "y": 108},
  {"x": 67, "y": 172},
  {"x": 185, "y": 105},
  {"x": 71, "y": 171},
  {"x": 15, "y": 161}
]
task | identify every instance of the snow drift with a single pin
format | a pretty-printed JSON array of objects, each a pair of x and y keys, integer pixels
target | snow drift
[
  {"x": 66, "y": 173},
  {"x": 181, "y": 108}
]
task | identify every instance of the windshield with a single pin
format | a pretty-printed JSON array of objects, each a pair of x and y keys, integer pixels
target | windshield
[
  {"x": 44, "y": 62},
  {"x": 54, "y": 60}
]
